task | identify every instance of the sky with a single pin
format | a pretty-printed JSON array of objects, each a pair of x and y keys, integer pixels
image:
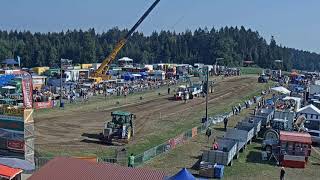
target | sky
[{"x": 293, "y": 23}]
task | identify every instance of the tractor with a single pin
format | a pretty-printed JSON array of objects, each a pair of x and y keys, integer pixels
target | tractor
[
  {"x": 272, "y": 135},
  {"x": 263, "y": 79},
  {"x": 120, "y": 128}
]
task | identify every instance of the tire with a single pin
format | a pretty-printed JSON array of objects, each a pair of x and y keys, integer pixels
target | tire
[
  {"x": 271, "y": 134},
  {"x": 268, "y": 148},
  {"x": 128, "y": 133}
]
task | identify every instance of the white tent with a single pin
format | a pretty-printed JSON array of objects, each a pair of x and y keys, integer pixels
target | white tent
[
  {"x": 296, "y": 99},
  {"x": 281, "y": 89},
  {"x": 8, "y": 87}
]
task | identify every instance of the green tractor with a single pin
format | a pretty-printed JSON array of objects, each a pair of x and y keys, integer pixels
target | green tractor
[{"x": 120, "y": 128}]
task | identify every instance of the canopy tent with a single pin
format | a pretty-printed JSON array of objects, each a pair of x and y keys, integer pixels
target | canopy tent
[
  {"x": 296, "y": 99},
  {"x": 143, "y": 74},
  {"x": 10, "y": 62},
  {"x": 127, "y": 76},
  {"x": 184, "y": 174},
  {"x": 9, "y": 172},
  {"x": 8, "y": 87},
  {"x": 281, "y": 89},
  {"x": 17, "y": 163}
]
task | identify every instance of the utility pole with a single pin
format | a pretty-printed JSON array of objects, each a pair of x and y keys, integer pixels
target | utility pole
[
  {"x": 60, "y": 82},
  {"x": 207, "y": 91}
]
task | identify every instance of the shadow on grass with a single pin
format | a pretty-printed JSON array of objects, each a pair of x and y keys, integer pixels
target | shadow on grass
[
  {"x": 316, "y": 164},
  {"x": 258, "y": 148},
  {"x": 196, "y": 166},
  {"x": 90, "y": 135},
  {"x": 255, "y": 157},
  {"x": 219, "y": 129},
  {"x": 94, "y": 139}
]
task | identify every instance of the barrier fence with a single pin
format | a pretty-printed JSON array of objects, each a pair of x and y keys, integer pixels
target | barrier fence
[
  {"x": 180, "y": 139},
  {"x": 147, "y": 155}
]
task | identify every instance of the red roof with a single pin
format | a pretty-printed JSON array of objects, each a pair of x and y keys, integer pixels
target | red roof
[
  {"x": 8, "y": 172},
  {"x": 70, "y": 168},
  {"x": 295, "y": 137}
]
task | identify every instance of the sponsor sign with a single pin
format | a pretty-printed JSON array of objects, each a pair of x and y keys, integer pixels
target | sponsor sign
[
  {"x": 12, "y": 125},
  {"x": 194, "y": 131},
  {"x": 177, "y": 140},
  {"x": 27, "y": 92},
  {"x": 15, "y": 145},
  {"x": 11, "y": 135},
  {"x": 12, "y": 118},
  {"x": 43, "y": 105},
  {"x": 10, "y": 112}
]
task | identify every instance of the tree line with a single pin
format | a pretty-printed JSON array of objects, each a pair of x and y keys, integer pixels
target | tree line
[{"x": 235, "y": 45}]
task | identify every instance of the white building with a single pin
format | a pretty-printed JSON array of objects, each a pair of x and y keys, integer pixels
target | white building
[{"x": 312, "y": 115}]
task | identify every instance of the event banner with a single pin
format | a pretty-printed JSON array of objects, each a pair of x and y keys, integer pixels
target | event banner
[
  {"x": 27, "y": 91},
  {"x": 43, "y": 105},
  {"x": 15, "y": 145}
]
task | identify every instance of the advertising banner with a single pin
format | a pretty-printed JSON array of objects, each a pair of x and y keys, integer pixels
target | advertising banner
[
  {"x": 194, "y": 131},
  {"x": 43, "y": 105},
  {"x": 12, "y": 125},
  {"x": 27, "y": 92},
  {"x": 15, "y": 145},
  {"x": 12, "y": 135},
  {"x": 10, "y": 113}
]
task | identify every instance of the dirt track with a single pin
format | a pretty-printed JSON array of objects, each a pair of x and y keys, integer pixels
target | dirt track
[{"x": 153, "y": 117}]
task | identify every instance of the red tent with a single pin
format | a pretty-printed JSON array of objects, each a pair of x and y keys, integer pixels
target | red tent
[{"x": 8, "y": 172}]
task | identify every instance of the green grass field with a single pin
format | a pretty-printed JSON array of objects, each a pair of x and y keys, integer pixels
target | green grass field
[
  {"x": 248, "y": 166},
  {"x": 170, "y": 130}
]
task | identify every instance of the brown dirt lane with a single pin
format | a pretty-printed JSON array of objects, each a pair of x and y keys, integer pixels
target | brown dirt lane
[{"x": 64, "y": 131}]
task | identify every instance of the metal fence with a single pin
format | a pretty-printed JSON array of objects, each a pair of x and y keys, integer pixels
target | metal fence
[
  {"x": 147, "y": 155},
  {"x": 140, "y": 159}
]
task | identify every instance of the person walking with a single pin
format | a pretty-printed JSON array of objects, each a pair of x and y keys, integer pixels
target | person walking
[
  {"x": 282, "y": 173},
  {"x": 225, "y": 122},
  {"x": 131, "y": 160}
]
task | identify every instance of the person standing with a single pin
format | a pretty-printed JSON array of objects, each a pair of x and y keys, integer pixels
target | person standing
[
  {"x": 225, "y": 122},
  {"x": 282, "y": 173},
  {"x": 208, "y": 133},
  {"x": 131, "y": 160}
]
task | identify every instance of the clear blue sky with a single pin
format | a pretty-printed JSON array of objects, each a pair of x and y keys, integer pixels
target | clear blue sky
[{"x": 294, "y": 23}]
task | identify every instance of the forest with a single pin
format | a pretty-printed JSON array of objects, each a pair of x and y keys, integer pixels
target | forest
[{"x": 234, "y": 44}]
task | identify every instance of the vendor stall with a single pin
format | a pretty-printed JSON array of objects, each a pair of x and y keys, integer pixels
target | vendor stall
[{"x": 294, "y": 149}]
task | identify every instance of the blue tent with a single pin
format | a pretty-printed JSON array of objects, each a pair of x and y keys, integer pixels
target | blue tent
[
  {"x": 184, "y": 174},
  {"x": 10, "y": 62},
  {"x": 17, "y": 163},
  {"x": 127, "y": 76},
  {"x": 143, "y": 74}
]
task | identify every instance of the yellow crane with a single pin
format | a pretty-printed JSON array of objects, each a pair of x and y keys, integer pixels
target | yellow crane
[{"x": 101, "y": 73}]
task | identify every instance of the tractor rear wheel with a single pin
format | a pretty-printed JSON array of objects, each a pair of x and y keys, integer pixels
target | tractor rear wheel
[{"x": 128, "y": 134}]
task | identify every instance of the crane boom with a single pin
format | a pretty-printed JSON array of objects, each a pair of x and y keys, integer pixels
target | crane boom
[{"x": 104, "y": 67}]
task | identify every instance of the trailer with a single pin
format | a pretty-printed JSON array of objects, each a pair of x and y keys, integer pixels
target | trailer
[
  {"x": 265, "y": 115},
  {"x": 256, "y": 125},
  {"x": 247, "y": 127},
  {"x": 226, "y": 152},
  {"x": 241, "y": 136}
]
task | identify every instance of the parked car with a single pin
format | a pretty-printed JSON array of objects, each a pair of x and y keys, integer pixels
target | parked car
[{"x": 315, "y": 136}]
